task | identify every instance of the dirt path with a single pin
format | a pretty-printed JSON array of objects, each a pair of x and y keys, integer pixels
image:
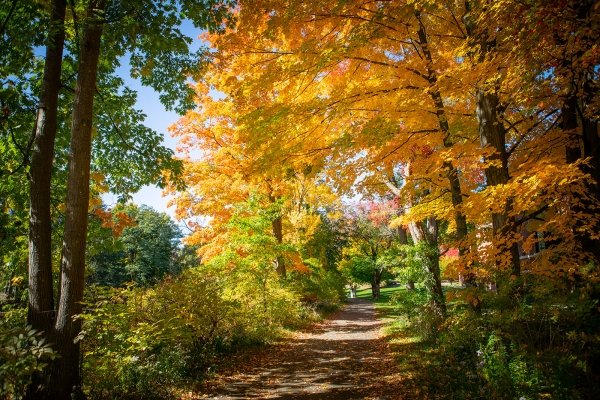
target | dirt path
[{"x": 342, "y": 358}]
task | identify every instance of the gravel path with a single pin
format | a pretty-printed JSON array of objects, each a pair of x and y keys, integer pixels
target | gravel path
[{"x": 342, "y": 358}]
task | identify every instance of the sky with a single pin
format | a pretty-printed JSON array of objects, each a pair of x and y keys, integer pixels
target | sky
[{"x": 158, "y": 119}]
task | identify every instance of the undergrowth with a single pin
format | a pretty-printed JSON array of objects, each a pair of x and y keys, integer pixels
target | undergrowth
[{"x": 535, "y": 344}]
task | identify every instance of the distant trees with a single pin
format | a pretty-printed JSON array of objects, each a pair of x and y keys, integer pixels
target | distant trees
[
  {"x": 372, "y": 249},
  {"x": 144, "y": 252}
]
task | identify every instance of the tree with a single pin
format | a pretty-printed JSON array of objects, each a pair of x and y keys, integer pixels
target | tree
[
  {"x": 41, "y": 292},
  {"x": 372, "y": 248},
  {"x": 352, "y": 87},
  {"x": 66, "y": 379},
  {"x": 145, "y": 250},
  {"x": 65, "y": 329}
]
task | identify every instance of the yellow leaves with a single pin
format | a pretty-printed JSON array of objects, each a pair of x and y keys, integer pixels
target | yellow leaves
[
  {"x": 97, "y": 182},
  {"x": 17, "y": 280},
  {"x": 358, "y": 101}
]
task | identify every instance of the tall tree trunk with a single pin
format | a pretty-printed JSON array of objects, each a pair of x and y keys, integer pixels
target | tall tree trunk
[
  {"x": 492, "y": 134},
  {"x": 277, "y": 225},
  {"x": 67, "y": 379},
  {"x": 577, "y": 121},
  {"x": 460, "y": 220},
  {"x": 583, "y": 143},
  {"x": 569, "y": 124},
  {"x": 451, "y": 171},
  {"x": 41, "y": 298}
]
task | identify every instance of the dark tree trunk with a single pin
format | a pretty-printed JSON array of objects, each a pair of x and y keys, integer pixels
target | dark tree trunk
[
  {"x": 410, "y": 285},
  {"x": 66, "y": 379},
  {"x": 402, "y": 236},
  {"x": 492, "y": 134},
  {"x": 451, "y": 171},
  {"x": 570, "y": 125},
  {"x": 376, "y": 284},
  {"x": 583, "y": 142},
  {"x": 277, "y": 225},
  {"x": 40, "y": 310},
  {"x": 41, "y": 297}
]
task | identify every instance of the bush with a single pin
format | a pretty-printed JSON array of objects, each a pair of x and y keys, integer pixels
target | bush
[
  {"x": 141, "y": 343},
  {"x": 22, "y": 353},
  {"x": 425, "y": 320},
  {"x": 319, "y": 288},
  {"x": 535, "y": 343}
]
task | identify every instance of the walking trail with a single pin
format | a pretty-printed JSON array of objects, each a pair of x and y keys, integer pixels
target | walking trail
[{"x": 344, "y": 357}]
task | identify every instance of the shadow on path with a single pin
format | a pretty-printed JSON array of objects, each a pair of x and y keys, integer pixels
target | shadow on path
[{"x": 342, "y": 358}]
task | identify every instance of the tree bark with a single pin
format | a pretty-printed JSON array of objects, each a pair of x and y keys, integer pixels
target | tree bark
[
  {"x": 451, "y": 171},
  {"x": 277, "y": 225},
  {"x": 583, "y": 143},
  {"x": 67, "y": 380},
  {"x": 402, "y": 236},
  {"x": 376, "y": 284},
  {"x": 41, "y": 297},
  {"x": 492, "y": 134}
]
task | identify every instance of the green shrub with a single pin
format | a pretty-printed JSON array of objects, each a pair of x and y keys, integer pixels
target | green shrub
[
  {"x": 538, "y": 342},
  {"x": 319, "y": 288},
  {"x": 425, "y": 320},
  {"x": 495, "y": 367},
  {"x": 141, "y": 343},
  {"x": 22, "y": 353}
]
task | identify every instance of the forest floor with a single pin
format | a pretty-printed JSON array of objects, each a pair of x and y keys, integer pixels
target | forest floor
[{"x": 344, "y": 357}]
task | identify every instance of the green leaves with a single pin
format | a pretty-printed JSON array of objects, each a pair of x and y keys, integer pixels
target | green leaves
[
  {"x": 146, "y": 250},
  {"x": 22, "y": 353}
]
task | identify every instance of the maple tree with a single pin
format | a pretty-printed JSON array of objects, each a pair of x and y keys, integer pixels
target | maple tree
[
  {"x": 463, "y": 131},
  {"x": 357, "y": 88},
  {"x": 372, "y": 251}
]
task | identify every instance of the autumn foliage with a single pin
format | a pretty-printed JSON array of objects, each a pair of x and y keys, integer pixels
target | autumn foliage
[
  {"x": 451, "y": 146},
  {"x": 362, "y": 96},
  {"x": 477, "y": 135}
]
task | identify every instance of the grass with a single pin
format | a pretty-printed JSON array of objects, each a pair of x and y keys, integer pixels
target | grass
[
  {"x": 427, "y": 372},
  {"x": 385, "y": 308}
]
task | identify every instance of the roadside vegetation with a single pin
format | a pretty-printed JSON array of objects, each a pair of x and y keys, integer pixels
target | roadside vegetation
[{"x": 536, "y": 350}]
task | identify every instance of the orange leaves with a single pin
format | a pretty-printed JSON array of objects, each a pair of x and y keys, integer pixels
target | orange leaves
[
  {"x": 296, "y": 263},
  {"x": 307, "y": 100},
  {"x": 117, "y": 221}
]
